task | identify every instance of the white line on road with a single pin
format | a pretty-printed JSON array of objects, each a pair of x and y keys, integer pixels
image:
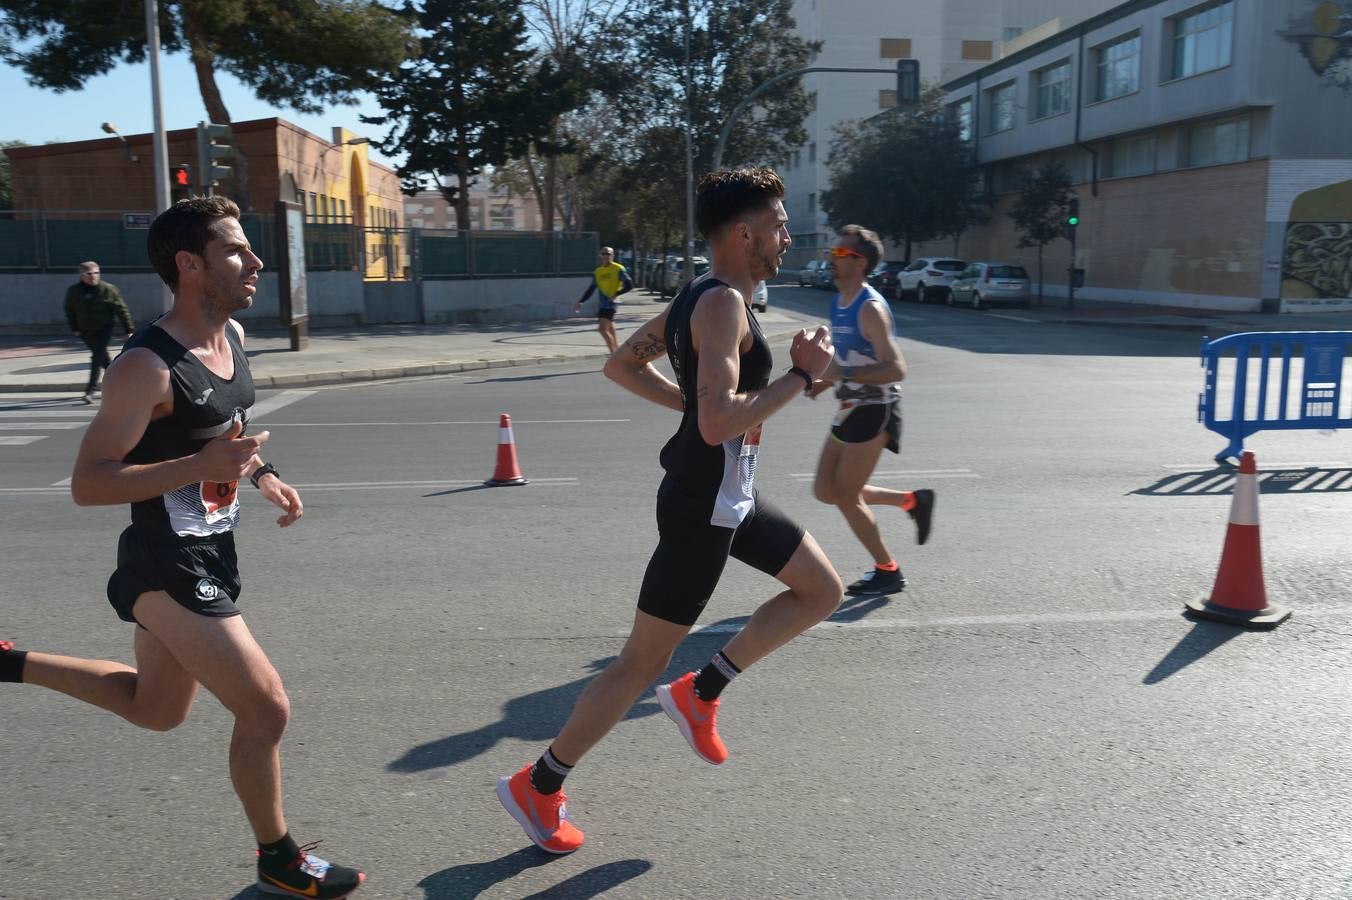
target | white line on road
[
  {"x": 277, "y": 401},
  {"x": 493, "y": 422},
  {"x": 909, "y": 473},
  {"x": 1207, "y": 466},
  {"x": 1014, "y": 318},
  {"x": 86, "y": 412},
  {"x": 566, "y": 481},
  {"x": 18, "y": 440},
  {"x": 40, "y": 426},
  {"x": 64, "y": 482}
]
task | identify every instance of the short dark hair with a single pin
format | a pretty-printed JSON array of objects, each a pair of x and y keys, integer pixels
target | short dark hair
[
  {"x": 187, "y": 225},
  {"x": 868, "y": 243},
  {"x": 727, "y": 195}
]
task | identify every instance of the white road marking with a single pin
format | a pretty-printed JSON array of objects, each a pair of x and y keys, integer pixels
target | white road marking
[
  {"x": 277, "y": 401},
  {"x": 566, "y": 481},
  {"x": 494, "y": 422},
  {"x": 18, "y": 440},
  {"x": 1208, "y": 466},
  {"x": 908, "y": 473},
  {"x": 1014, "y": 318},
  {"x": 48, "y": 413},
  {"x": 64, "y": 482},
  {"x": 40, "y": 426}
]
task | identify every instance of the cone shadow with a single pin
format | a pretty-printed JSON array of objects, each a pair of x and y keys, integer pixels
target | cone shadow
[{"x": 1197, "y": 643}]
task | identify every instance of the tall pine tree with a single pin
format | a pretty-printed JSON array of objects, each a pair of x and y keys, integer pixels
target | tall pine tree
[{"x": 472, "y": 99}]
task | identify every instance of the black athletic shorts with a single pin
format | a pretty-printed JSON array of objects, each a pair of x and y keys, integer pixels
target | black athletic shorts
[
  {"x": 200, "y": 573},
  {"x": 691, "y": 553},
  {"x": 862, "y": 423},
  {"x": 606, "y": 313}
]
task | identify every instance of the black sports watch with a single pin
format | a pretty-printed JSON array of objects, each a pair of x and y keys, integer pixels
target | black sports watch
[{"x": 265, "y": 469}]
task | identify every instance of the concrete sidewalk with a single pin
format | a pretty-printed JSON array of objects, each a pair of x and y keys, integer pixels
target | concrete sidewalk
[
  {"x": 395, "y": 351},
  {"x": 374, "y": 352}
]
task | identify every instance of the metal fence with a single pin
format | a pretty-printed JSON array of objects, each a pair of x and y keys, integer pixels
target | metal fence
[{"x": 59, "y": 240}]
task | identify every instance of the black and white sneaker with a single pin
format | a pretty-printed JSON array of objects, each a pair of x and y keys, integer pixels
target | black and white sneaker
[
  {"x": 922, "y": 514},
  {"x": 877, "y": 583},
  {"x": 307, "y": 876}
]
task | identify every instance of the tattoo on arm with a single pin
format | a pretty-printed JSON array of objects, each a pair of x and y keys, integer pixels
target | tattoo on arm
[
  {"x": 649, "y": 347},
  {"x": 700, "y": 394}
]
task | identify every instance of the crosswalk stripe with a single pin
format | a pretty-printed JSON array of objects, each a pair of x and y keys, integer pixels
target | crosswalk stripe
[{"x": 18, "y": 440}]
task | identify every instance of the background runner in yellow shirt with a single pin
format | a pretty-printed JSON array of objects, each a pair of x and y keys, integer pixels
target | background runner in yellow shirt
[{"x": 608, "y": 282}]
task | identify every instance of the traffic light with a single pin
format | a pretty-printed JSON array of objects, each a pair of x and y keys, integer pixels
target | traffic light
[
  {"x": 180, "y": 182},
  {"x": 908, "y": 82},
  {"x": 213, "y": 155},
  {"x": 1072, "y": 218}
]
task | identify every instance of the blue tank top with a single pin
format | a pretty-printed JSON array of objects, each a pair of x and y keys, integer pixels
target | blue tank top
[{"x": 854, "y": 350}]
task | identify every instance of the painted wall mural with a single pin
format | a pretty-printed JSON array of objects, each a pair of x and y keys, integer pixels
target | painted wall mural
[
  {"x": 1318, "y": 260},
  {"x": 1324, "y": 37}
]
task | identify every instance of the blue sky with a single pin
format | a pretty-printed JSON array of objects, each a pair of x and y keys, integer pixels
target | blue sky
[{"x": 122, "y": 97}]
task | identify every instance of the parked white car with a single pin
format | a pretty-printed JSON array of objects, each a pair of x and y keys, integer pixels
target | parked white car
[
  {"x": 929, "y": 277},
  {"x": 985, "y": 284},
  {"x": 760, "y": 298}
]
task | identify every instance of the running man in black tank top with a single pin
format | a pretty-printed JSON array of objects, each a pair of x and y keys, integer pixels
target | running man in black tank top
[
  {"x": 707, "y": 506},
  {"x": 169, "y": 439}
]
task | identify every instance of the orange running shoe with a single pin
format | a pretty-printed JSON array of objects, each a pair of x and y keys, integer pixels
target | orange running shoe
[
  {"x": 696, "y": 718},
  {"x": 544, "y": 817}
]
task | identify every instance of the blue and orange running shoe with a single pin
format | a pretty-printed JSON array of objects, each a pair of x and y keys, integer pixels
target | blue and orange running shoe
[
  {"x": 697, "y": 719},
  {"x": 308, "y": 876}
]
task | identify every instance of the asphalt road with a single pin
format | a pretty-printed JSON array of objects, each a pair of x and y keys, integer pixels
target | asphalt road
[{"x": 1032, "y": 718}]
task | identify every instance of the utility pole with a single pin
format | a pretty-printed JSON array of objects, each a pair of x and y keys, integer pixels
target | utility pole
[
  {"x": 159, "y": 142},
  {"x": 689, "y": 160}
]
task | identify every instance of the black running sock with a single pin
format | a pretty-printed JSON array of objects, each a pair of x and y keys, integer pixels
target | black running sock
[
  {"x": 710, "y": 680},
  {"x": 279, "y": 854},
  {"x": 11, "y": 665},
  {"x": 547, "y": 775}
]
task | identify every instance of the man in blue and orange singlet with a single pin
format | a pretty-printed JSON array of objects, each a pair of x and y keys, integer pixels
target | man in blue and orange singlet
[
  {"x": 608, "y": 282},
  {"x": 866, "y": 371}
]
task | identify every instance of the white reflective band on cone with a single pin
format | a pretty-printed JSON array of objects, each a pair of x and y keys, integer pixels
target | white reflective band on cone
[
  {"x": 1244, "y": 507},
  {"x": 505, "y": 435}
]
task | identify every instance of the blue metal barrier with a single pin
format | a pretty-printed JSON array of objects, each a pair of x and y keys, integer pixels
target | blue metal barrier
[{"x": 1306, "y": 394}]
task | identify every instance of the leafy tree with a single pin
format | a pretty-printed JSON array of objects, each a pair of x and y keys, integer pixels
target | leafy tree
[
  {"x": 1041, "y": 210},
  {"x": 471, "y": 100},
  {"x": 6, "y": 186},
  {"x": 300, "y": 53},
  {"x": 908, "y": 175}
]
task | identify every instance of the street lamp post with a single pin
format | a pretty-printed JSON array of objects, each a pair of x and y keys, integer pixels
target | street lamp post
[
  {"x": 159, "y": 143},
  {"x": 689, "y": 161}
]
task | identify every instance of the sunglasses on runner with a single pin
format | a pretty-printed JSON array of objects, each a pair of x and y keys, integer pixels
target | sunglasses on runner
[{"x": 841, "y": 252}]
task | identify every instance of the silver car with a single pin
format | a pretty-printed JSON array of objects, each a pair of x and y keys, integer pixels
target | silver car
[
  {"x": 807, "y": 275},
  {"x": 989, "y": 283}
]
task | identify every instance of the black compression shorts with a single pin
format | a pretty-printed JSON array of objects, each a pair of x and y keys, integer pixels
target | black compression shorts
[
  {"x": 862, "y": 423},
  {"x": 606, "y": 313},
  {"x": 691, "y": 553},
  {"x": 201, "y": 574}
]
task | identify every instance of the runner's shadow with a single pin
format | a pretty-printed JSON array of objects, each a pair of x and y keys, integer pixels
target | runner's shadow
[
  {"x": 1204, "y": 638},
  {"x": 471, "y": 880},
  {"x": 537, "y": 716}
]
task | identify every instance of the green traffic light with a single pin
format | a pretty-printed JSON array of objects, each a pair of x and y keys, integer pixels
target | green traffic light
[{"x": 1073, "y": 220}]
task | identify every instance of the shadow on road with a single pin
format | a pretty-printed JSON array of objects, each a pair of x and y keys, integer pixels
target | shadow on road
[
  {"x": 1221, "y": 480},
  {"x": 1197, "y": 643},
  {"x": 538, "y": 716},
  {"x": 533, "y": 377},
  {"x": 470, "y": 880}
]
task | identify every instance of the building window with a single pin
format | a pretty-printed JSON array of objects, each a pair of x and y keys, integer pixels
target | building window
[
  {"x": 887, "y": 99},
  {"x": 811, "y": 203},
  {"x": 812, "y": 152},
  {"x": 978, "y": 49},
  {"x": 1202, "y": 39},
  {"x": 797, "y": 158},
  {"x": 1118, "y": 68},
  {"x": 895, "y": 48},
  {"x": 1000, "y": 102},
  {"x": 342, "y": 209},
  {"x": 1053, "y": 89},
  {"x": 324, "y": 207},
  {"x": 1217, "y": 143},
  {"x": 960, "y": 114},
  {"x": 314, "y": 205},
  {"x": 812, "y": 101},
  {"x": 1130, "y": 157}
]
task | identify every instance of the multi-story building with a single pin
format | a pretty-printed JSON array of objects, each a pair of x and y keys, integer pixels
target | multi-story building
[
  {"x": 949, "y": 38},
  {"x": 1210, "y": 147},
  {"x": 490, "y": 209}
]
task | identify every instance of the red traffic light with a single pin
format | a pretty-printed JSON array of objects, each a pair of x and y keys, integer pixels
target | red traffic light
[{"x": 180, "y": 176}]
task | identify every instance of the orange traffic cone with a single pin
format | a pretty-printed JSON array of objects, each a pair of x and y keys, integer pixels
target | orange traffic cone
[
  {"x": 1238, "y": 596},
  {"x": 507, "y": 472}
]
